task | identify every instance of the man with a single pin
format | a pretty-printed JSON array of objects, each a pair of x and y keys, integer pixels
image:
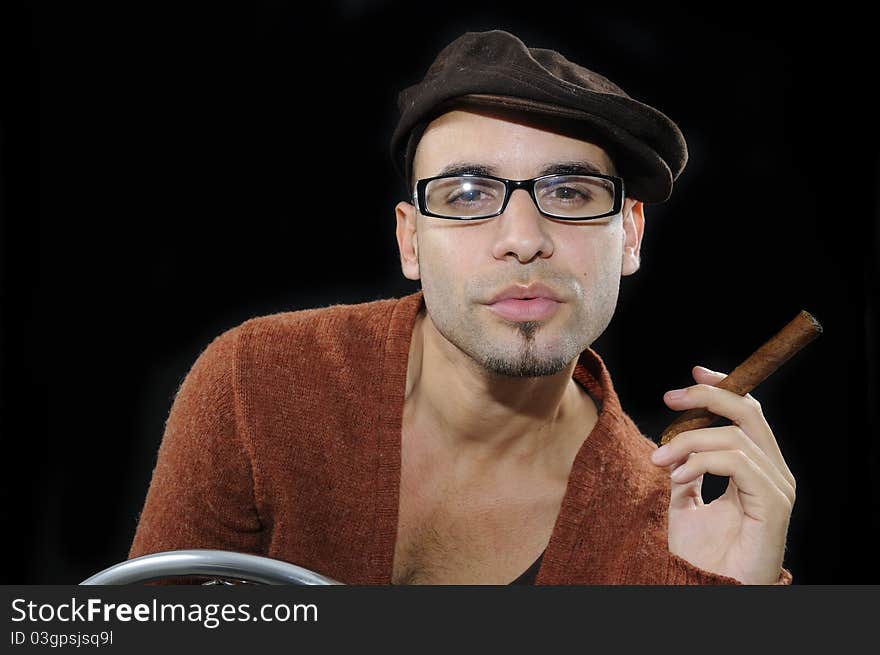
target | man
[{"x": 467, "y": 433}]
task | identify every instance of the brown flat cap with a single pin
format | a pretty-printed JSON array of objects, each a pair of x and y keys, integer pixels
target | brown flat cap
[{"x": 496, "y": 69}]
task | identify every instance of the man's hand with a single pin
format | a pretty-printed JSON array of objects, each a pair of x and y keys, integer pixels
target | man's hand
[{"x": 742, "y": 533}]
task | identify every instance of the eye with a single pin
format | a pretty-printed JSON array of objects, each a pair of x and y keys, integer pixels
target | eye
[
  {"x": 569, "y": 193},
  {"x": 465, "y": 195},
  {"x": 468, "y": 192}
]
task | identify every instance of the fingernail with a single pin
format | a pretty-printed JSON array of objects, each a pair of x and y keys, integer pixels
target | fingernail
[
  {"x": 659, "y": 454},
  {"x": 675, "y": 394},
  {"x": 678, "y": 473}
]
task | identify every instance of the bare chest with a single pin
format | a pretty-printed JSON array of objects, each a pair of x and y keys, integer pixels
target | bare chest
[{"x": 455, "y": 533}]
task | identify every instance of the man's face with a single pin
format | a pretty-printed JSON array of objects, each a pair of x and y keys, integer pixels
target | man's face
[{"x": 464, "y": 265}]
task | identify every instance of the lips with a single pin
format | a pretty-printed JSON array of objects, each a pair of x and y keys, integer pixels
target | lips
[
  {"x": 521, "y": 292},
  {"x": 534, "y": 302}
]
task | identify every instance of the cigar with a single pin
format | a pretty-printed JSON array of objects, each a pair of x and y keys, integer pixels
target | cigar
[{"x": 754, "y": 370}]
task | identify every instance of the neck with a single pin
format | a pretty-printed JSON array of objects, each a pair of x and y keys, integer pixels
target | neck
[{"x": 478, "y": 416}]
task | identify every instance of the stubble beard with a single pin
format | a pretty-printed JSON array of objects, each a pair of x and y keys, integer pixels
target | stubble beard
[
  {"x": 521, "y": 360},
  {"x": 525, "y": 362}
]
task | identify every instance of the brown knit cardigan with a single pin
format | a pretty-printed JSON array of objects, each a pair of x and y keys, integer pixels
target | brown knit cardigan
[{"x": 284, "y": 441}]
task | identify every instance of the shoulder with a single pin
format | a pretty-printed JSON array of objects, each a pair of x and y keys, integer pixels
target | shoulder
[
  {"x": 340, "y": 330},
  {"x": 334, "y": 331},
  {"x": 338, "y": 345},
  {"x": 371, "y": 316}
]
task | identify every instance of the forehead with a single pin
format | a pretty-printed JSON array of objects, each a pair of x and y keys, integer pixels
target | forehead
[{"x": 512, "y": 144}]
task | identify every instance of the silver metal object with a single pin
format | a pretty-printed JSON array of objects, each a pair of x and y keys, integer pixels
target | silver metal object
[{"x": 211, "y": 563}]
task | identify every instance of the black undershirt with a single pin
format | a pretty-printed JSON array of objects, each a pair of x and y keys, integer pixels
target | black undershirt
[{"x": 531, "y": 573}]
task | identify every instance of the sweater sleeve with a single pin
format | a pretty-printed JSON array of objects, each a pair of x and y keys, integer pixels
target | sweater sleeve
[
  {"x": 681, "y": 572},
  {"x": 202, "y": 490}
]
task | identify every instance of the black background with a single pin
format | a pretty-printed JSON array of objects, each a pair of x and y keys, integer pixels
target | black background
[{"x": 154, "y": 167}]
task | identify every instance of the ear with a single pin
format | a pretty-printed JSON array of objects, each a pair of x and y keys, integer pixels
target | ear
[
  {"x": 633, "y": 229},
  {"x": 407, "y": 240}
]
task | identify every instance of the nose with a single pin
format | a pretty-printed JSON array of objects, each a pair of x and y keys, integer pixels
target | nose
[{"x": 522, "y": 231}]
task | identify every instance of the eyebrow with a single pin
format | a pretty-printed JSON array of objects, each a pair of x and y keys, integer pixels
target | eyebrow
[{"x": 579, "y": 167}]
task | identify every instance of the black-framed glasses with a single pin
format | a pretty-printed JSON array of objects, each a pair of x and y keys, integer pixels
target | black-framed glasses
[{"x": 565, "y": 197}]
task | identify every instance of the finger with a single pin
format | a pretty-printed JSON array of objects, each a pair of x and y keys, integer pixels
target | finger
[
  {"x": 703, "y": 375},
  {"x": 744, "y": 411},
  {"x": 729, "y": 437},
  {"x": 761, "y": 500}
]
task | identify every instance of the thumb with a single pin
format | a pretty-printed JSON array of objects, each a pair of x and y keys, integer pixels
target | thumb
[{"x": 686, "y": 495}]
